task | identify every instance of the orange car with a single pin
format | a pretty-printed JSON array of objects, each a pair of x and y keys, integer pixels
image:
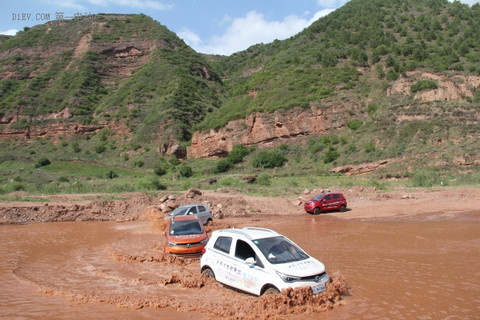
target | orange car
[{"x": 185, "y": 235}]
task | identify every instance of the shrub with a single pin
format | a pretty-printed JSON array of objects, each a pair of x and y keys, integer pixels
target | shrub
[
  {"x": 100, "y": 148},
  {"x": 223, "y": 166},
  {"x": 111, "y": 174},
  {"x": 315, "y": 145},
  {"x": 42, "y": 162},
  {"x": 331, "y": 156},
  {"x": 354, "y": 124},
  {"x": 237, "y": 154},
  {"x": 139, "y": 163},
  {"x": 425, "y": 178},
  {"x": 392, "y": 75},
  {"x": 152, "y": 183},
  {"x": 76, "y": 147},
  {"x": 229, "y": 182},
  {"x": 63, "y": 179},
  {"x": 424, "y": 85},
  {"x": 185, "y": 171},
  {"x": 173, "y": 161},
  {"x": 159, "y": 171},
  {"x": 267, "y": 159},
  {"x": 372, "y": 108}
]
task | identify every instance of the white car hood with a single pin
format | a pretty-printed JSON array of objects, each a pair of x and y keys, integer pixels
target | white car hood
[{"x": 303, "y": 268}]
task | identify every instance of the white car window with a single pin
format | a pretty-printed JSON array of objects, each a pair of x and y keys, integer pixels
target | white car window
[
  {"x": 244, "y": 251},
  {"x": 280, "y": 250},
  {"x": 223, "y": 244}
]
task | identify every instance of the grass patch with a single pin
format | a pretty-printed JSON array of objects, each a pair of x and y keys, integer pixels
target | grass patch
[{"x": 88, "y": 170}]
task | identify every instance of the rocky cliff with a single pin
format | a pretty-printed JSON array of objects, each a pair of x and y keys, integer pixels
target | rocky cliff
[
  {"x": 264, "y": 130},
  {"x": 272, "y": 129}
]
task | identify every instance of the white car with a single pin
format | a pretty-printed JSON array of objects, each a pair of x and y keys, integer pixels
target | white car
[{"x": 260, "y": 261}]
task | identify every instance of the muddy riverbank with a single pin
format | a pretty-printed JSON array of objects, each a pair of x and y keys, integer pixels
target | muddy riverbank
[{"x": 391, "y": 255}]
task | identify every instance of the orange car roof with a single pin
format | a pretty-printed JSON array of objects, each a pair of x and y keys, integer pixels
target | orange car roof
[{"x": 185, "y": 218}]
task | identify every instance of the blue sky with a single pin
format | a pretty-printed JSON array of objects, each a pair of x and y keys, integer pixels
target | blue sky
[{"x": 208, "y": 26}]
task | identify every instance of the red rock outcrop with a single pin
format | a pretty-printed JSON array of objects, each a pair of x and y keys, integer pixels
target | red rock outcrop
[
  {"x": 362, "y": 168},
  {"x": 56, "y": 130},
  {"x": 260, "y": 129},
  {"x": 454, "y": 87}
]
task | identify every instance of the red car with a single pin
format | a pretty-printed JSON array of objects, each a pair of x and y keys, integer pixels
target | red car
[{"x": 330, "y": 201}]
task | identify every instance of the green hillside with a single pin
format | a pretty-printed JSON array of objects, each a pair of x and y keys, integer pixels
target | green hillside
[
  {"x": 43, "y": 75},
  {"x": 318, "y": 65},
  {"x": 123, "y": 95}
]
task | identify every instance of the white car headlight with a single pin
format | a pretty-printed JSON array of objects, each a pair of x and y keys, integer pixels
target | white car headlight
[
  {"x": 171, "y": 244},
  {"x": 288, "y": 278}
]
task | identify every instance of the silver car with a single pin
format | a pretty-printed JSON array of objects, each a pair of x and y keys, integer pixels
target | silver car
[{"x": 200, "y": 210}]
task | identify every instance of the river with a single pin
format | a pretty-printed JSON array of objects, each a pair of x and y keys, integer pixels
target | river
[{"x": 422, "y": 268}]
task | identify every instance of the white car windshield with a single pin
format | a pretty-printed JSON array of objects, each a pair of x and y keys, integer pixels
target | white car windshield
[
  {"x": 181, "y": 228},
  {"x": 280, "y": 250}
]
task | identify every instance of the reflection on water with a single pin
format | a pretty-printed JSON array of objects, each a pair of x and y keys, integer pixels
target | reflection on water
[{"x": 396, "y": 270}]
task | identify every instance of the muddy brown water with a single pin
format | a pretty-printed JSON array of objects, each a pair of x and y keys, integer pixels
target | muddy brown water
[{"x": 419, "y": 269}]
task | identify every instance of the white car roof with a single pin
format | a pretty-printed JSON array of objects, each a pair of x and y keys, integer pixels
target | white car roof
[{"x": 251, "y": 233}]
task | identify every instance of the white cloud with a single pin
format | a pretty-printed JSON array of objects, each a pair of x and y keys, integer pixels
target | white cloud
[
  {"x": 226, "y": 19},
  {"x": 191, "y": 38},
  {"x": 319, "y": 14},
  {"x": 10, "y": 32},
  {"x": 249, "y": 30}
]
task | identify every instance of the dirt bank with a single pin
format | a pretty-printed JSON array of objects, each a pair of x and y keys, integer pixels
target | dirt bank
[{"x": 363, "y": 203}]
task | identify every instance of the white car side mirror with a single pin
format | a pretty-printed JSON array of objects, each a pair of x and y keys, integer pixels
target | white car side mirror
[{"x": 250, "y": 262}]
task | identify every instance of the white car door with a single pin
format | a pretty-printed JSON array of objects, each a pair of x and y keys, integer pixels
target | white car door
[
  {"x": 250, "y": 276},
  {"x": 220, "y": 258}
]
